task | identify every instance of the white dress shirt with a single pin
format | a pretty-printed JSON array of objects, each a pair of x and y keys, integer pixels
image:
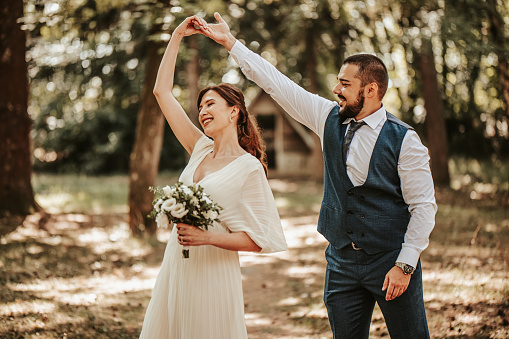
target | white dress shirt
[{"x": 312, "y": 111}]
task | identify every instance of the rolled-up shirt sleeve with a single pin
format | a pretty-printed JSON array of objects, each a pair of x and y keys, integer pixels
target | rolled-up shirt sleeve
[
  {"x": 419, "y": 193},
  {"x": 307, "y": 108}
]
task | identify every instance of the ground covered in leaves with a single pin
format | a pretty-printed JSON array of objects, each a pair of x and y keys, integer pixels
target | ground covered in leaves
[{"x": 82, "y": 276}]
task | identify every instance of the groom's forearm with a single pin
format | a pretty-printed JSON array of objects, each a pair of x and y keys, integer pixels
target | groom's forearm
[{"x": 307, "y": 108}]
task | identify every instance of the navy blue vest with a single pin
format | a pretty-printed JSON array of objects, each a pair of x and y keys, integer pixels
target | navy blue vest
[{"x": 374, "y": 215}]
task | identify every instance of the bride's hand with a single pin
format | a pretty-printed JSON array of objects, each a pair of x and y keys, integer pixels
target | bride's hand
[
  {"x": 192, "y": 236},
  {"x": 191, "y": 25}
]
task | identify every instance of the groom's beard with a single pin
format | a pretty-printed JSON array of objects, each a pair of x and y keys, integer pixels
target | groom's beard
[{"x": 351, "y": 111}]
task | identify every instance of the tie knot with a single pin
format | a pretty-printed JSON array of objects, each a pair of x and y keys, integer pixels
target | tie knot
[{"x": 354, "y": 126}]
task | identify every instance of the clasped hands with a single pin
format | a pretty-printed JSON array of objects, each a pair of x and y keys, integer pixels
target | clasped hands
[{"x": 219, "y": 32}]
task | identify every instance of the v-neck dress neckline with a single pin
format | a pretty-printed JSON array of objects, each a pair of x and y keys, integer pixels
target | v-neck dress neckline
[{"x": 200, "y": 161}]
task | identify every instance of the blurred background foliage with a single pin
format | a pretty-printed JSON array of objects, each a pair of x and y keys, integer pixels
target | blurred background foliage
[{"x": 87, "y": 61}]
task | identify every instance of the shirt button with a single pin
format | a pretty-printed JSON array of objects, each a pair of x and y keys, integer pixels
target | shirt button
[{"x": 349, "y": 232}]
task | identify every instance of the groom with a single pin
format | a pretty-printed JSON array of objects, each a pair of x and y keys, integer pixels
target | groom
[{"x": 378, "y": 208}]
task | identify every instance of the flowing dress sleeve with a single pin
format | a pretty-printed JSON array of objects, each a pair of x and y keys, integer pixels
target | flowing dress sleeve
[
  {"x": 202, "y": 146},
  {"x": 257, "y": 213}
]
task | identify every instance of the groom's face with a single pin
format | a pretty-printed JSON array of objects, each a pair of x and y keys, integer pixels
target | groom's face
[{"x": 349, "y": 91}]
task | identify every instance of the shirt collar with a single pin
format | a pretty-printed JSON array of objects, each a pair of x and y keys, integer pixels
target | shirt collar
[{"x": 374, "y": 119}]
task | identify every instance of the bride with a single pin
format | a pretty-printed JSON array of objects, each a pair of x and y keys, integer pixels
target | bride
[{"x": 201, "y": 297}]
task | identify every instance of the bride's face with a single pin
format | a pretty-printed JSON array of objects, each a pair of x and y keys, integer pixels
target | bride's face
[{"x": 214, "y": 113}]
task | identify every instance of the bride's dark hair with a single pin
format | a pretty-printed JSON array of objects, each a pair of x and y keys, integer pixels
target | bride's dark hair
[{"x": 247, "y": 129}]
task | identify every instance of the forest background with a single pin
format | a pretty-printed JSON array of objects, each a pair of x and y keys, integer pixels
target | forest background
[{"x": 76, "y": 102}]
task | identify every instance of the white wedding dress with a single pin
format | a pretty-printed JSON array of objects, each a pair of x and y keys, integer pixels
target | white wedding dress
[{"x": 201, "y": 297}]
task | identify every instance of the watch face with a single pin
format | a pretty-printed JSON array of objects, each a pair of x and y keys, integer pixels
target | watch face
[{"x": 408, "y": 269}]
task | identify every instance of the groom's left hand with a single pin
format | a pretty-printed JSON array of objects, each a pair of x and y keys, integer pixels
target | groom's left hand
[{"x": 395, "y": 283}]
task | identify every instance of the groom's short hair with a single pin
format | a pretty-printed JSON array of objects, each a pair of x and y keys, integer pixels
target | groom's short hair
[{"x": 371, "y": 69}]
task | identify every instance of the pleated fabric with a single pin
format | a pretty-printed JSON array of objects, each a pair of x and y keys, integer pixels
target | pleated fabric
[{"x": 201, "y": 297}]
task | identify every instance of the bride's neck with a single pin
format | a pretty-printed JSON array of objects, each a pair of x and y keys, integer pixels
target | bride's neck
[{"x": 227, "y": 145}]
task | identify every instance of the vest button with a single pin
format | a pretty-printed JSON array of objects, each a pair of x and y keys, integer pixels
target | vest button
[
  {"x": 362, "y": 234},
  {"x": 350, "y": 193},
  {"x": 349, "y": 231},
  {"x": 362, "y": 216},
  {"x": 349, "y": 212}
]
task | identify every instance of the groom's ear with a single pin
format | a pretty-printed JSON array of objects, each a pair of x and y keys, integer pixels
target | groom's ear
[{"x": 372, "y": 90}]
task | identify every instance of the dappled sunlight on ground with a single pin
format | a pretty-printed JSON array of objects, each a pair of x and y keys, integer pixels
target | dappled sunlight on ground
[
  {"x": 62, "y": 280},
  {"x": 81, "y": 275},
  {"x": 283, "y": 291}
]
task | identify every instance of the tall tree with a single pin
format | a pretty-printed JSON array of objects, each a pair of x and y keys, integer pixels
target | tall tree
[
  {"x": 418, "y": 15},
  {"x": 144, "y": 160},
  {"x": 193, "y": 75},
  {"x": 435, "y": 122},
  {"x": 497, "y": 32},
  {"x": 16, "y": 194}
]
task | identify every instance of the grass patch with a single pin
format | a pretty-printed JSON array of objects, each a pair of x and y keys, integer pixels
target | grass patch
[{"x": 70, "y": 193}]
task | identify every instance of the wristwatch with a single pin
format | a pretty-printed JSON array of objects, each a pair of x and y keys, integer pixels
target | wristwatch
[{"x": 407, "y": 269}]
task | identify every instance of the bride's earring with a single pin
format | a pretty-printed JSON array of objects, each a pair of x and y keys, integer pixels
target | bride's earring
[{"x": 231, "y": 120}]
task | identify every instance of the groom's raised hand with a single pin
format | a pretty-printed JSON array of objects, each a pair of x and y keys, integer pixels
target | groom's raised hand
[{"x": 219, "y": 32}]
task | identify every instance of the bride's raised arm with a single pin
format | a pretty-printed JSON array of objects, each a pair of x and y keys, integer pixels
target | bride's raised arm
[{"x": 185, "y": 131}]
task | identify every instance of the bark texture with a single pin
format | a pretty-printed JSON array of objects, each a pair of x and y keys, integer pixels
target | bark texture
[
  {"x": 497, "y": 31},
  {"x": 16, "y": 194},
  {"x": 144, "y": 160},
  {"x": 435, "y": 122}
]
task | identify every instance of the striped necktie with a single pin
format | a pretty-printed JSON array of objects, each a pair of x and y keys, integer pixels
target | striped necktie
[{"x": 354, "y": 126}]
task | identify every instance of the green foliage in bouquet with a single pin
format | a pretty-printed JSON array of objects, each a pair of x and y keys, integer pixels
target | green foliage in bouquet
[{"x": 183, "y": 204}]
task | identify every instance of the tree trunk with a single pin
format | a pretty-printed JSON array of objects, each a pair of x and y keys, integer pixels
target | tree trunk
[
  {"x": 497, "y": 31},
  {"x": 193, "y": 75},
  {"x": 435, "y": 122},
  {"x": 316, "y": 161},
  {"x": 144, "y": 160},
  {"x": 16, "y": 194}
]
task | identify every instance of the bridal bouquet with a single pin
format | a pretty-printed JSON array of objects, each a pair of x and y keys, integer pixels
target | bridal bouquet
[{"x": 183, "y": 204}]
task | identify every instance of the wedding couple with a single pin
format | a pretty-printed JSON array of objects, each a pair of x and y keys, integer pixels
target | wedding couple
[{"x": 377, "y": 212}]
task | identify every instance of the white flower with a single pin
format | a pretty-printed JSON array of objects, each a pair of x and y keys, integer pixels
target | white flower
[
  {"x": 206, "y": 199},
  {"x": 187, "y": 191},
  {"x": 157, "y": 205},
  {"x": 179, "y": 211},
  {"x": 168, "y": 191},
  {"x": 211, "y": 215},
  {"x": 168, "y": 204},
  {"x": 162, "y": 220},
  {"x": 194, "y": 201}
]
